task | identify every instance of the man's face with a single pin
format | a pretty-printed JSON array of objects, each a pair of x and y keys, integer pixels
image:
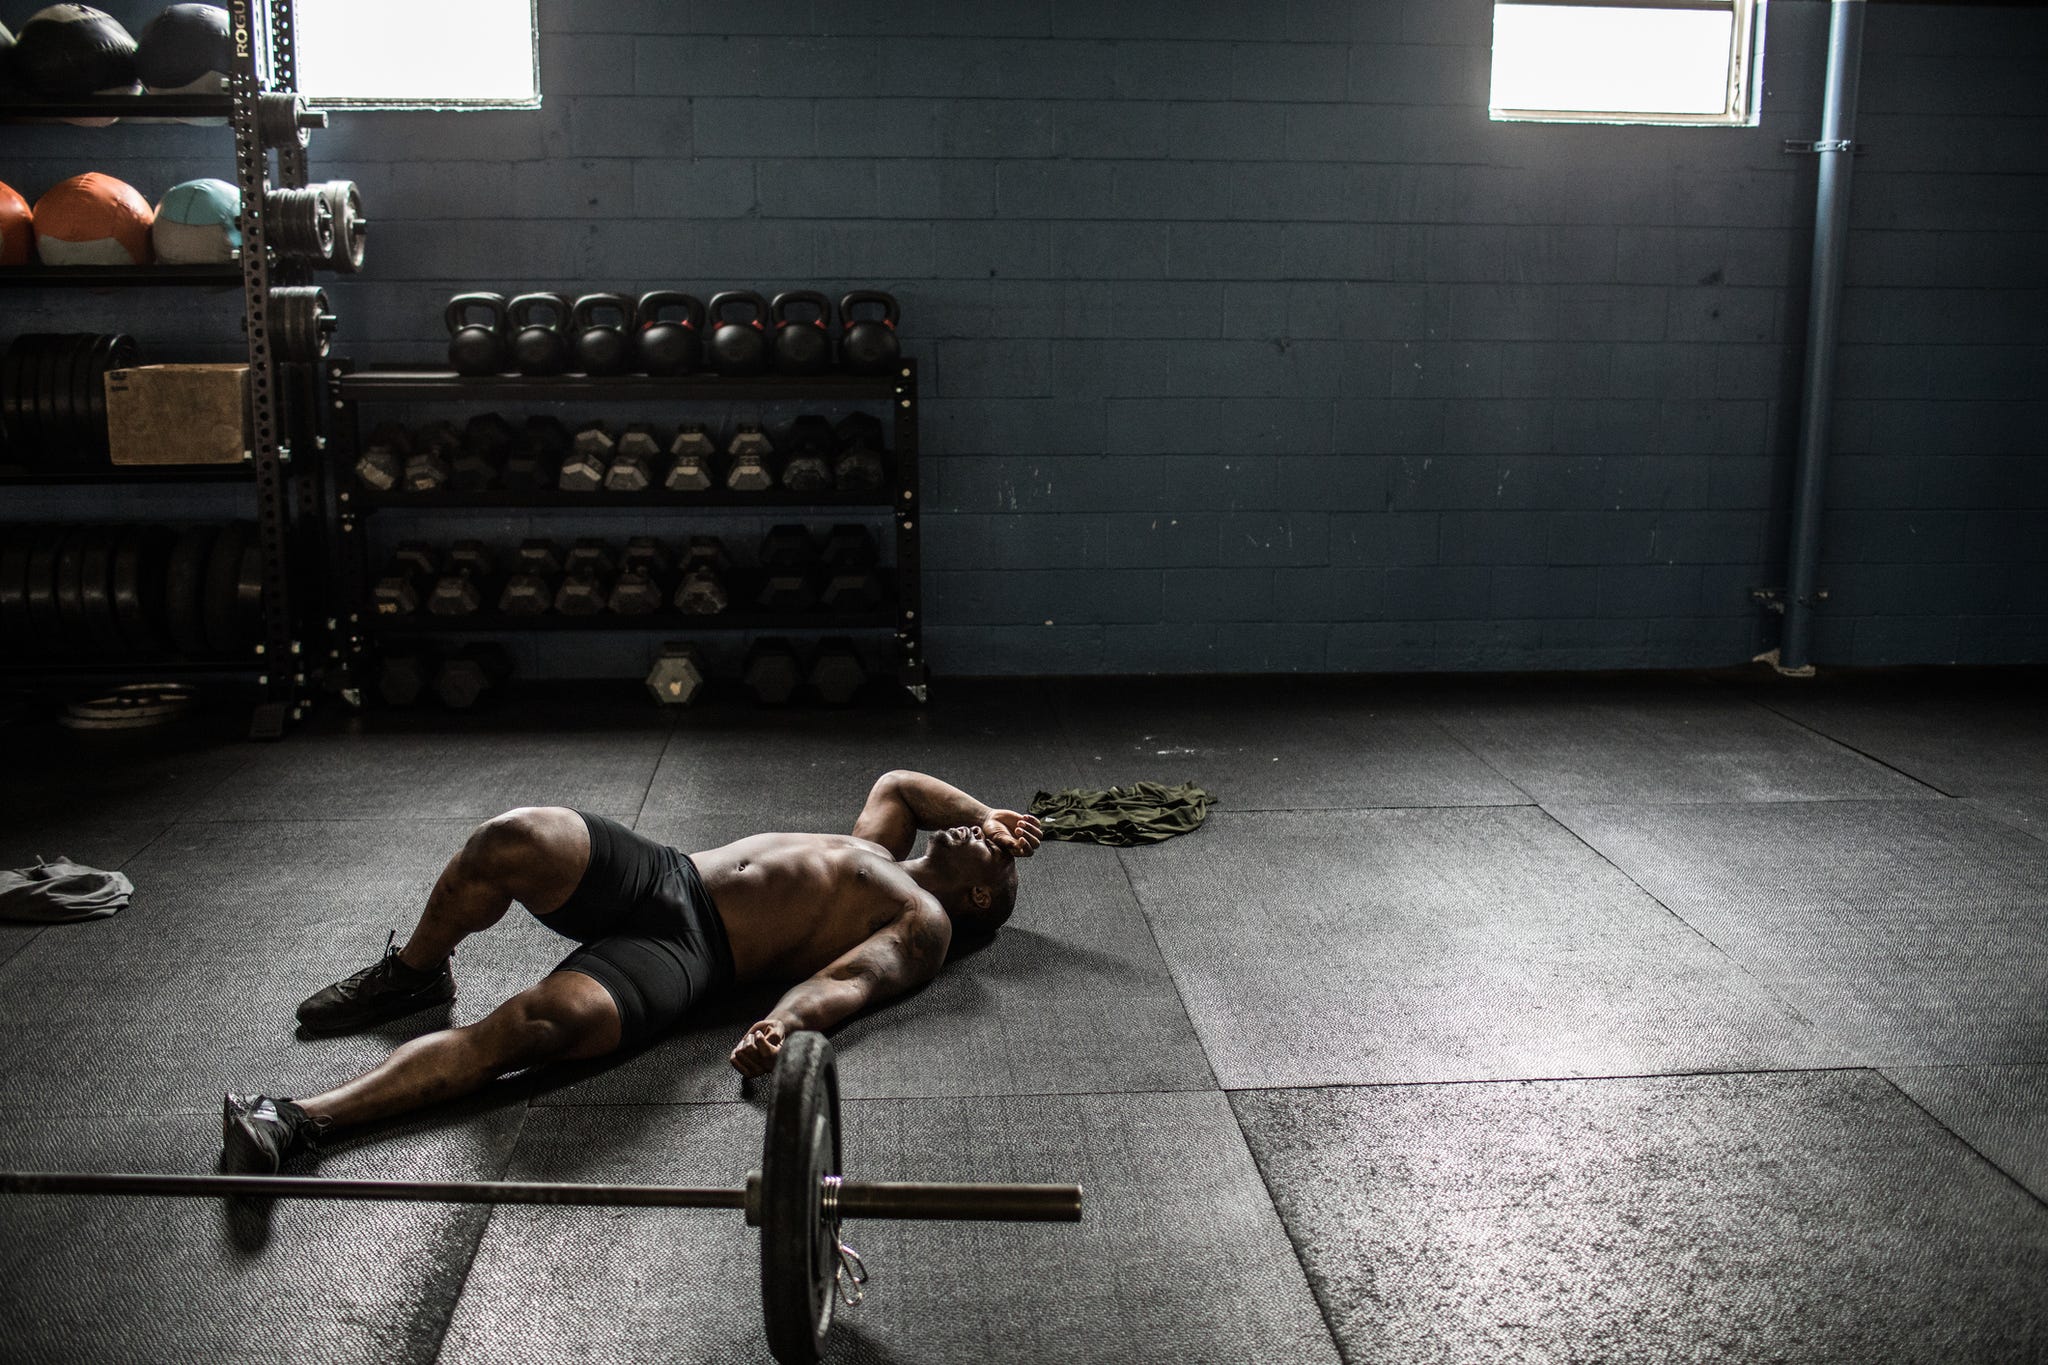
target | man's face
[{"x": 965, "y": 849}]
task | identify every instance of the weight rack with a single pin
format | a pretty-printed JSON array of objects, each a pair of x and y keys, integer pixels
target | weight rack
[
  {"x": 283, "y": 395},
  {"x": 349, "y": 567}
]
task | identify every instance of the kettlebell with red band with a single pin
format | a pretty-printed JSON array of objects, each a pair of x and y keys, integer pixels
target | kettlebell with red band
[
  {"x": 670, "y": 346},
  {"x": 802, "y": 345},
  {"x": 868, "y": 345},
  {"x": 739, "y": 347}
]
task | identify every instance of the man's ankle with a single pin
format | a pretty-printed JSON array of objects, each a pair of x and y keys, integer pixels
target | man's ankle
[{"x": 410, "y": 959}]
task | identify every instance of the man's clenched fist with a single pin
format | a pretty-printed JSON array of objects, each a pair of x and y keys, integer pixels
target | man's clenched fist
[{"x": 755, "y": 1056}]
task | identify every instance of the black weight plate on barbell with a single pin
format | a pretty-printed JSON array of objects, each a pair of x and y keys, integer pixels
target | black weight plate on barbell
[
  {"x": 45, "y": 627},
  {"x": 33, "y": 363},
  {"x": 183, "y": 580},
  {"x": 14, "y": 625},
  {"x": 48, "y": 439},
  {"x": 95, "y": 589},
  {"x": 222, "y": 587},
  {"x": 138, "y": 584},
  {"x": 799, "y": 1249},
  {"x": 71, "y": 400},
  {"x": 73, "y": 637},
  {"x": 249, "y": 593}
]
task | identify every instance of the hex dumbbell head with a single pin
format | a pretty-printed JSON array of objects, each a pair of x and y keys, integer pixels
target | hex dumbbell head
[
  {"x": 402, "y": 675},
  {"x": 466, "y": 677},
  {"x": 851, "y": 592},
  {"x": 677, "y": 676},
  {"x": 405, "y": 580},
  {"x": 705, "y": 570},
  {"x": 381, "y": 466},
  {"x": 530, "y": 590},
  {"x": 837, "y": 674},
  {"x": 850, "y": 545},
  {"x": 632, "y": 466},
  {"x": 772, "y": 672},
  {"x": 753, "y": 460},
  {"x": 706, "y": 551},
  {"x": 692, "y": 460},
  {"x": 486, "y": 443},
  {"x": 860, "y": 467},
  {"x": 587, "y": 573},
  {"x": 788, "y": 546},
  {"x": 811, "y": 447},
  {"x": 641, "y": 588},
  {"x": 787, "y": 591},
  {"x": 589, "y": 459},
  {"x": 535, "y": 460},
  {"x": 459, "y": 591}
]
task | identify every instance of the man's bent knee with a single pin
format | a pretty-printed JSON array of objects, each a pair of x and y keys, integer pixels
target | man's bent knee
[
  {"x": 535, "y": 854},
  {"x": 567, "y": 1017}
]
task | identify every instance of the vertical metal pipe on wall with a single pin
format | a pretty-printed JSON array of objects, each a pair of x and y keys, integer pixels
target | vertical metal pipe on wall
[{"x": 1830, "y": 246}]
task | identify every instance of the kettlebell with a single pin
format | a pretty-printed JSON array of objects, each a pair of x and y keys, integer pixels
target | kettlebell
[
  {"x": 670, "y": 346},
  {"x": 802, "y": 345},
  {"x": 868, "y": 345},
  {"x": 602, "y": 347},
  {"x": 476, "y": 348},
  {"x": 738, "y": 347},
  {"x": 539, "y": 345}
]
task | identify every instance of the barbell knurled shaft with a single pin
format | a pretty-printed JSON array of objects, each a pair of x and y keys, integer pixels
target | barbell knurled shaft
[{"x": 413, "y": 1191}]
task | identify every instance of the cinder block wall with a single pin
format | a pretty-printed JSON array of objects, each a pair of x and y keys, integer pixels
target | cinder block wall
[{"x": 1250, "y": 344}]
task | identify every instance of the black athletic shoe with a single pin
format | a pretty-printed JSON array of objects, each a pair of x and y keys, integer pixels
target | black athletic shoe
[
  {"x": 384, "y": 990},
  {"x": 257, "y": 1133}
]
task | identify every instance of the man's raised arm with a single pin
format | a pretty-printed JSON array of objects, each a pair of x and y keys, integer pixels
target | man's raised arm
[
  {"x": 904, "y": 802},
  {"x": 900, "y": 956}
]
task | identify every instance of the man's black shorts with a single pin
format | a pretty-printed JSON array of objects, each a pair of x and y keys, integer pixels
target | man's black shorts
[{"x": 650, "y": 933}]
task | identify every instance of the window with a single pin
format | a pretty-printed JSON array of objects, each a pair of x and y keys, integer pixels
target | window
[
  {"x": 1627, "y": 61},
  {"x": 418, "y": 54}
]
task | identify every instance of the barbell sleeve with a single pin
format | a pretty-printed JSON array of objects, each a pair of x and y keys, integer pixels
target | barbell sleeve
[{"x": 994, "y": 1203}]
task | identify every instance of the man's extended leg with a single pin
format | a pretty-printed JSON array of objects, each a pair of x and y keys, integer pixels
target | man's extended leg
[{"x": 534, "y": 855}]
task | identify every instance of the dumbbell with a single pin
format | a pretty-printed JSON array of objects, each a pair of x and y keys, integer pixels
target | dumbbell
[
  {"x": 772, "y": 672},
  {"x": 705, "y": 569},
  {"x": 692, "y": 455},
  {"x": 677, "y": 676},
  {"x": 486, "y": 442},
  {"x": 402, "y": 675},
  {"x": 860, "y": 467},
  {"x": 640, "y": 590},
  {"x": 632, "y": 466},
  {"x": 753, "y": 460},
  {"x": 530, "y": 590},
  {"x": 470, "y": 674},
  {"x": 431, "y": 464},
  {"x": 788, "y": 557},
  {"x": 459, "y": 591},
  {"x": 381, "y": 466},
  {"x": 837, "y": 674},
  {"x": 851, "y": 584},
  {"x": 405, "y": 581},
  {"x": 586, "y": 579},
  {"x": 589, "y": 459},
  {"x": 811, "y": 444},
  {"x": 535, "y": 461}
]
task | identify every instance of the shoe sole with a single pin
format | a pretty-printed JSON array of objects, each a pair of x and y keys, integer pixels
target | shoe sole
[
  {"x": 357, "y": 1023},
  {"x": 236, "y": 1126}
]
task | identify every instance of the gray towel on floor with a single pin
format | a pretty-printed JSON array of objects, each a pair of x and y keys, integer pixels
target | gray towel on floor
[{"x": 52, "y": 893}]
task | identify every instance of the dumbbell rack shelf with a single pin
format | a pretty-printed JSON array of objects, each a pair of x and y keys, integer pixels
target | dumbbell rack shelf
[
  {"x": 901, "y": 498},
  {"x": 263, "y": 62}
]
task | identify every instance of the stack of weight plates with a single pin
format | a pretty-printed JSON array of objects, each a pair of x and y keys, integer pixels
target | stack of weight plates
[
  {"x": 53, "y": 403},
  {"x": 114, "y": 592}
]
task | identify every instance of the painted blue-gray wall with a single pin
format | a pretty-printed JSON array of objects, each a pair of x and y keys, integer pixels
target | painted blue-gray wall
[{"x": 1250, "y": 344}]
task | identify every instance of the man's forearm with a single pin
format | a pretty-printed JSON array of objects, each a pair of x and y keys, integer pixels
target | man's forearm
[
  {"x": 936, "y": 805},
  {"x": 818, "y": 1003}
]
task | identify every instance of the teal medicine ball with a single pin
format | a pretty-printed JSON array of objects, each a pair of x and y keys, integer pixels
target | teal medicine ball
[{"x": 198, "y": 223}]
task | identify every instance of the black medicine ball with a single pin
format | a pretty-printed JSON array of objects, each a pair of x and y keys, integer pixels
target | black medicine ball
[
  {"x": 184, "y": 46},
  {"x": 69, "y": 50}
]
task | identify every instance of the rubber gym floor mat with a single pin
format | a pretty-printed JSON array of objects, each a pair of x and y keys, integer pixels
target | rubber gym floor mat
[
  {"x": 1356, "y": 947},
  {"x": 1965, "y": 741},
  {"x": 130, "y": 1279},
  {"x": 1178, "y": 1256},
  {"x": 2002, "y": 1111},
  {"x": 55, "y": 775},
  {"x": 2025, "y": 811},
  {"x": 472, "y": 773},
  {"x": 1655, "y": 745},
  {"x": 1811, "y": 1217},
  {"x": 1276, "y": 745},
  {"x": 1070, "y": 997},
  {"x": 83, "y": 837}
]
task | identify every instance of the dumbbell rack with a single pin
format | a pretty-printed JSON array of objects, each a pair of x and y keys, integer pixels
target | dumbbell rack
[
  {"x": 283, "y": 398},
  {"x": 351, "y": 571}
]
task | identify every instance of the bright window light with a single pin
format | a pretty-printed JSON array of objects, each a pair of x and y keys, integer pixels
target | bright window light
[
  {"x": 436, "y": 54},
  {"x": 1657, "y": 61}
]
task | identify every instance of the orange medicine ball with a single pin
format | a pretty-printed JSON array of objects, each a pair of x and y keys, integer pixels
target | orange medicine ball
[
  {"x": 17, "y": 230},
  {"x": 93, "y": 219}
]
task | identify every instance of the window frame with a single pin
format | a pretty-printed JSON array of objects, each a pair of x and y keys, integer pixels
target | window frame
[
  {"x": 430, "y": 102},
  {"x": 1744, "y": 104}
]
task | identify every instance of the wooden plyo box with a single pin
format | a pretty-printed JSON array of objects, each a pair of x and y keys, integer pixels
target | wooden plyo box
[{"x": 179, "y": 414}]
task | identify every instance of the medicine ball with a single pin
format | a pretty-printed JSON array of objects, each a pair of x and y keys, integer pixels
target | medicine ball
[
  {"x": 197, "y": 223},
  {"x": 92, "y": 219},
  {"x": 69, "y": 50},
  {"x": 17, "y": 229},
  {"x": 186, "y": 50}
]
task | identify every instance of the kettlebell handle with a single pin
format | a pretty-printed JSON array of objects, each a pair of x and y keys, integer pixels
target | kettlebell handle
[
  {"x": 521, "y": 310},
  {"x": 652, "y": 304},
  {"x": 779, "y": 310},
  {"x": 584, "y": 313},
  {"x": 720, "y": 302},
  {"x": 861, "y": 296},
  {"x": 460, "y": 306}
]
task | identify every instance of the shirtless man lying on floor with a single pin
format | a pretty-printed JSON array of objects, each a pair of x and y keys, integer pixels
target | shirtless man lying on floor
[{"x": 851, "y": 919}]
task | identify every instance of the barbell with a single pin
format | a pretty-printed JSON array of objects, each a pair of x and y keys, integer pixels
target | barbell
[{"x": 797, "y": 1198}]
